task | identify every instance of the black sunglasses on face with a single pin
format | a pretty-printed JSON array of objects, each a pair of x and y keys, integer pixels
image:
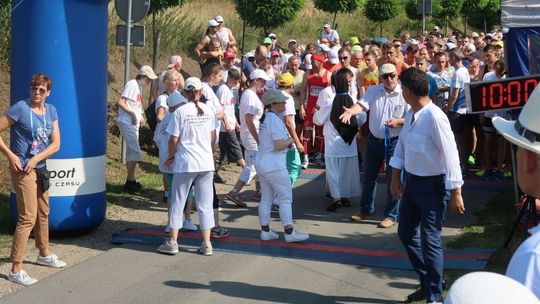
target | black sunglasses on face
[
  {"x": 343, "y": 58},
  {"x": 386, "y": 76}
]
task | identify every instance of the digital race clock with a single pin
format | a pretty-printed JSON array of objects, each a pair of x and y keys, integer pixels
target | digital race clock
[{"x": 499, "y": 94}]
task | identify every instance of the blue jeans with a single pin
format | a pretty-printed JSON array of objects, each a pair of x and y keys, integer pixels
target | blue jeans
[
  {"x": 373, "y": 159},
  {"x": 421, "y": 214}
]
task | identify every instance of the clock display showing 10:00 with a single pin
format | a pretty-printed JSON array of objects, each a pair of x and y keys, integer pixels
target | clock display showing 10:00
[{"x": 500, "y": 94}]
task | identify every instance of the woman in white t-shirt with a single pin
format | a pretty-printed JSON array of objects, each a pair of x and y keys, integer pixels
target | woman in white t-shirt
[
  {"x": 171, "y": 80},
  {"x": 271, "y": 165},
  {"x": 251, "y": 110},
  {"x": 340, "y": 150},
  {"x": 190, "y": 158},
  {"x": 130, "y": 118}
]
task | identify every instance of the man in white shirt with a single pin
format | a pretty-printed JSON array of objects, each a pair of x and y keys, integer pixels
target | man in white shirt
[
  {"x": 386, "y": 111},
  {"x": 525, "y": 133},
  {"x": 427, "y": 151},
  {"x": 330, "y": 34}
]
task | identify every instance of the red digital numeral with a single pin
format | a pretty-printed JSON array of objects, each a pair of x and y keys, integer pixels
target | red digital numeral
[
  {"x": 493, "y": 102},
  {"x": 529, "y": 86},
  {"x": 512, "y": 87}
]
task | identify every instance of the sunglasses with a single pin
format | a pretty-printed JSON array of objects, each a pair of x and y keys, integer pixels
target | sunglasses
[
  {"x": 387, "y": 76},
  {"x": 343, "y": 58},
  {"x": 38, "y": 89},
  {"x": 273, "y": 38}
]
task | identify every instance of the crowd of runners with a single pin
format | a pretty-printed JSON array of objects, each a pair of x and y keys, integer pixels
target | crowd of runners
[{"x": 334, "y": 103}]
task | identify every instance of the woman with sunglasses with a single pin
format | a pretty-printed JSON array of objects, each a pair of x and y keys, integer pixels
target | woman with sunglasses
[
  {"x": 192, "y": 132},
  {"x": 35, "y": 136}
]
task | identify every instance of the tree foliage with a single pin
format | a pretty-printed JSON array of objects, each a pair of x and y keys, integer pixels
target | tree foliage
[
  {"x": 337, "y": 6},
  {"x": 450, "y": 9},
  {"x": 482, "y": 12},
  {"x": 157, "y": 6},
  {"x": 268, "y": 14},
  {"x": 381, "y": 11},
  {"x": 411, "y": 9}
]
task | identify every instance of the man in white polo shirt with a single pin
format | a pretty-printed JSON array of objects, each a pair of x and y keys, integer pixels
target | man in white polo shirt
[{"x": 330, "y": 34}]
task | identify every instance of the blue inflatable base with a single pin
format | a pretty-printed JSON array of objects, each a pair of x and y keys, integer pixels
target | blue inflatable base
[{"x": 71, "y": 213}]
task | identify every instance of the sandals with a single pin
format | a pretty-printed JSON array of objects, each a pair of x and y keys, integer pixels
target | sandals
[{"x": 335, "y": 205}]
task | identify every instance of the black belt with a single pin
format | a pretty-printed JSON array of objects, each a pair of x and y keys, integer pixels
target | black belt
[
  {"x": 422, "y": 178},
  {"x": 379, "y": 140}
]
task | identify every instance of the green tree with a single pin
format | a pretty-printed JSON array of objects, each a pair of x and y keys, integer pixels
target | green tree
[
  {"x": 411, "y": 9},
  {"x": 380, "y": 11},
  {"x": 268, "y": 14},
  {"x": 337, "y": 6},
  {"x": 156, "y": 6},
  {"x": 482, "y": 13},
  {"x": 450, "y": 9}
]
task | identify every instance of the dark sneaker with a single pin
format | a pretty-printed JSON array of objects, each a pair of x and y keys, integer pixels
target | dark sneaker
[
  {"x": 218, "y": 179},
  {"x": 137, "y": 185},
  {"x": 219, "y": 233},
  {"x": 130, "y": 187},
  {"x": 417, "y": 295}
]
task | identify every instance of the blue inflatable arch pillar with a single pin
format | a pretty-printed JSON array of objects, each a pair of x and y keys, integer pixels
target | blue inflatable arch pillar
[{"x": 67, "y": 40}]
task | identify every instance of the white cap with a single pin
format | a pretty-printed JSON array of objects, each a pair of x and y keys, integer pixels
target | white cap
[
  {"x": 212, "y": 22},
  {"x": 272, "y": 35},
  {"x": 175, "y": 99},
  {"x": 333, "y": 56},
  {"x": 193, "y": 83},
  {"x": 147, "y": 71},
  {"x": 326, "y": 25},
  {"x": 292, "y": 41},
  {"x": 173, "y": 60},
  {"x": 324, "y": 47},
  {"x": 258, "y": 73},
  {"x": 219, "y": 19},
  {"x": 450, "y": 46},
  {"x": 488, "y": 287},
  {"x": 436, "y": 28}
]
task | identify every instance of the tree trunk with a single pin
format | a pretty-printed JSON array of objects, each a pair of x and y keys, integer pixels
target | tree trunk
[
  {"x": 446, "y": 26},
  {"x": 334, "y": 22},
  {"x": 485, "y": 26},
  {"x": 380, "y": 32},
  {"x": 466, "y": 25}
]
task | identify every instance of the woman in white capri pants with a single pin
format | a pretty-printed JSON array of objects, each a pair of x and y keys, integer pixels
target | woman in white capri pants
[
  {"x": 271, "y": 166},
  {"x": 190, "y": 157}
]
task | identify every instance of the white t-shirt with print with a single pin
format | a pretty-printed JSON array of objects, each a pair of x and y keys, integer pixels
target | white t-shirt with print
[
  {"x": 132, "y": 94},
  {"x": 250, "y": 104},
  {"x": 194, "y": 150},
  {"x": 268, "y": 159}
]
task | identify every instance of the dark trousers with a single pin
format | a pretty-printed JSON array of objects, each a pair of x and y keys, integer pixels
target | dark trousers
[
  {"x": 421, "y": 216},
  {"x": 374, "y": 158}
]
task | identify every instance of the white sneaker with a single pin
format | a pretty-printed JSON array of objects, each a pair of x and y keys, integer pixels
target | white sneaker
[
  {"x": 305, "y": 162},
  {"x": 269, "y": 235},
  {"x": 21, "y": 278},
  {"x": 188, "y": 225},
  {"x": 51, "y": 260},
  {"x": 205, "y": 249},
  {"x": 168, "y": 247},
  {"x": 296, "y": 236}
]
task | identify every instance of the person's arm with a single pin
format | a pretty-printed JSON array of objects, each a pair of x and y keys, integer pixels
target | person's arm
[
  {"x": 444, "y": 138},
  {"x": 452, "y": 99},
  {"x": 303, "y": 91},
  {"x": 204, "y": 54},
  {"x": 355, "y": 109},
  {"x": 232, "y": 40},
  {"x": 289, "y": 123},
  {"x": 251, "y": 127},
  {"x": 52, "y": 148},
  {"x": 395, "y": 122},
  {"x": 283, "y": 144},
  {"x": 160, "y": 114},
  {"x": 171, "y": 151},
  {"x": 397, "y": 161},
  {"x": 122, "y": 104},
  {"x": 213, "y": 137},
  {"x": 5, "y": 123}
]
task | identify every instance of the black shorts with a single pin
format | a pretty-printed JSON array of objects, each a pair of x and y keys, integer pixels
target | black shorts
[
  {"x": 297, "y": 119},
  {"x": 459, "y": 121},
  {"x": 487, "y": 126},
  {"x": 230, "y": 147}
]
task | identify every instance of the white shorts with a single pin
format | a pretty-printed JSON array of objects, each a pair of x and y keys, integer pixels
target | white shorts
[{"x": 130, "y": 133}]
